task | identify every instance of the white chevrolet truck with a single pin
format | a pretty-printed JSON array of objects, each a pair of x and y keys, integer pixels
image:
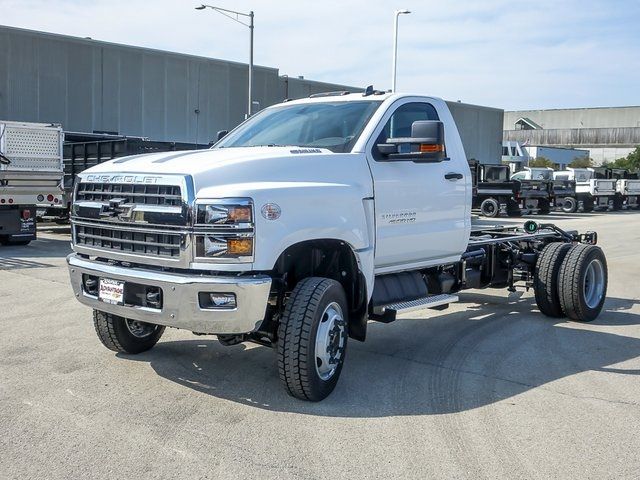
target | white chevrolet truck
[{"x": 302, "y": 224}]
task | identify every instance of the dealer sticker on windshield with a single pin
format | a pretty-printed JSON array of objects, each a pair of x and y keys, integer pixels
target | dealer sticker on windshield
[{"x": 111, "y": 291}]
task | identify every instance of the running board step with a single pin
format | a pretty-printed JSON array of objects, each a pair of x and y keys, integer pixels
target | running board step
[{"x": 387, "y": 313}]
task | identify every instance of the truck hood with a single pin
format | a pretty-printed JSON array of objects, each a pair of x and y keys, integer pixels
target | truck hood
[
  {"x": 193, "y": 162},
  {"x": 237, "y": 171}
]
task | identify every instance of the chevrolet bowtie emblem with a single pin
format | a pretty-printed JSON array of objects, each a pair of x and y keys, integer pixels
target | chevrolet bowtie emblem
[{"x": 117, "y": 208}]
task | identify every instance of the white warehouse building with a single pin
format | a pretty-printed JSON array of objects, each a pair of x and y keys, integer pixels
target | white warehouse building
[{"x": 608, "y": 133}]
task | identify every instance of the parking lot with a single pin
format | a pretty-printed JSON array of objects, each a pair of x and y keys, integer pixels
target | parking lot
[{"x": 489, "y": 388}]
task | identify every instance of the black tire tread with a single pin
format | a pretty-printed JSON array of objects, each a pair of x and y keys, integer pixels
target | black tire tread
[
  {"x": 544, "y": 207},
  {"x": 294, "y": 332},
  {"x": 546, "y": 279},
  {"x": 496, "y": 211},
  {"x": 103, "y": 323},
  {"x": 574, "y": 205},
  {"x": 111, "y": 332},
  {"x": 570, "y": 286}
]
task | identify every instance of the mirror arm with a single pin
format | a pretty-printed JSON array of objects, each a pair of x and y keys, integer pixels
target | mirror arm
[{"x": 417, "y": 141}]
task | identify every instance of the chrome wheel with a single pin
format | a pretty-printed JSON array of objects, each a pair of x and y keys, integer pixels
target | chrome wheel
[
  {"x": 330, "y": 341},
  {"x": 140, "y": 329},
  {"x": 593, "y": 286}
]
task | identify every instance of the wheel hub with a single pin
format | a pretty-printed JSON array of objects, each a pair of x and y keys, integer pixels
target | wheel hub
[
  {"x": 140, "y": 329},
  {"x": 330, "y": 341},
  {"x": 593, "y": 286}
]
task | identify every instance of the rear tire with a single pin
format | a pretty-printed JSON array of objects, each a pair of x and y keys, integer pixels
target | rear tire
[
  {"x": 490, "y": 207},
  {"x": 588, "y": 205},
  {"x": 583, "y": 282},
  {"x": 569, "y": 205},
  {"x": 617, "y": 203},
  {"x": 544, "y": 208},
  {"x": 312, "y": 338},
  {"x": 123, "y": 335},
  {"x": 546, "y": 278},
  {"x": 513, "y": 209}
]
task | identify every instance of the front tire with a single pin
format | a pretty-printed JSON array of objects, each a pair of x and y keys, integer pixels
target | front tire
[
  {"x": 490, "y": 207},
  {"x": 583, "y": 282},
  {"x": 123, "y": 335},
  {"x": 312, "y": 338},
  {"x": 569, "y": 205}
]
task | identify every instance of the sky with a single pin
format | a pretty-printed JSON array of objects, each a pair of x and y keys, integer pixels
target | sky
[{"x": 508, "y": 54}]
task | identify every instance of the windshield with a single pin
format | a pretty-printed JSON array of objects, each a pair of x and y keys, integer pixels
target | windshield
[{"x": 332, "y": 125}]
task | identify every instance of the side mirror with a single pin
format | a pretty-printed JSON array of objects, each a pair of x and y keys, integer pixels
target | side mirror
[
  {"x": 221, "y": 134},
  {"x": 387, "y": 148},
  {"x": 426, "y": 143}
]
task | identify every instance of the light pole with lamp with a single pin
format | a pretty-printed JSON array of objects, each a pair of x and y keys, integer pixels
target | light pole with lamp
[
  {"x": 235, "y": 16},
  {"x": 395, "y": 46}
]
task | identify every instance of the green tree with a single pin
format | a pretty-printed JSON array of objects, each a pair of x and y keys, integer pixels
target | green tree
[
  {"x": 581, "y": 162},
  {"x": 630, "y": 162},
  {"x": 541, "y": 162}
]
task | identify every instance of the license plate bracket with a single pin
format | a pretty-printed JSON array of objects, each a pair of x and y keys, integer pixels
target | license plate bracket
[{"x": 111, "y": 291}]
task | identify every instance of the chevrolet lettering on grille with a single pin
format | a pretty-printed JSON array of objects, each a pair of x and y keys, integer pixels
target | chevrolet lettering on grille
[{"x": 123, "y": 179}]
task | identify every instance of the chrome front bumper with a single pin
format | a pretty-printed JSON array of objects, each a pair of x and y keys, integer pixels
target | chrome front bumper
[{"x": 180, "y": 307}]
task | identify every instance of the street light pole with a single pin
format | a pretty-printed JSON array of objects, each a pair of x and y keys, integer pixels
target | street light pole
[
  {"x": 235, "y": 16},
  {"x": 395, "y": 46},
  {"x": 250, "y": 105}
]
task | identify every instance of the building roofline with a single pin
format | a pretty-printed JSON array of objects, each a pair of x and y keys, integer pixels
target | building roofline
[
  {"x": 484, "y": 107},
  {"x": 565, "y": 109},
  {"x": 93, "y": 42}
]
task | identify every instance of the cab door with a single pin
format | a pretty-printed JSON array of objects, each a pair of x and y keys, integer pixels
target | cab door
[{"x": 422, "y": 210}]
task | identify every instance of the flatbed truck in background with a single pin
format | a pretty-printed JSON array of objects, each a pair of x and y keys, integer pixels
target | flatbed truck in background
[
  {"x": 493, "y": 192},
  {"x": 83, "y": 150},
  {"x": 30, "y": 177}
]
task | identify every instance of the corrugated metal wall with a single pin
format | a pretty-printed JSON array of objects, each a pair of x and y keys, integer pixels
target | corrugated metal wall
[
  {"x": 92, "y": 86},
  {"x": 579, "y": 137},
  {"x": 604, "y": 117},
  {"x": 480, "y": 129}
]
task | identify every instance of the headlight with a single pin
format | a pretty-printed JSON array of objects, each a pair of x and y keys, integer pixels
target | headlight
[
  {"x": 226, "y": 212},
  {"x": 212, "y": 246},
  {"x": 224, "y": 230}
]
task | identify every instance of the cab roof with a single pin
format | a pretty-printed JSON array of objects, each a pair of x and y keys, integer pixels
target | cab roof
[{"x": 350, "y": 97}]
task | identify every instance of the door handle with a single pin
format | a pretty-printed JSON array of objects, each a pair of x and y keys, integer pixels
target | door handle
[{"x": 453, "y": 176}]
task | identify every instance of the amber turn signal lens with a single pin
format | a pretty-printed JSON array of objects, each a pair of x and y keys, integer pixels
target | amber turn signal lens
[
  {"x": 426, "y": 148},
  {"x": 239, "y": 214},
  {"x": 240, "y": 246}
]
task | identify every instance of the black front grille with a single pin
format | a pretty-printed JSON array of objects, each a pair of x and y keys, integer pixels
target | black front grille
[
  {"x": 160, "y": 244},
  {"x": 165, "y": 195}
]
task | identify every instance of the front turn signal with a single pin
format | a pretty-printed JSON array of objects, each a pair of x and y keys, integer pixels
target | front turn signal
[{"x": 240, "y": 247}]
